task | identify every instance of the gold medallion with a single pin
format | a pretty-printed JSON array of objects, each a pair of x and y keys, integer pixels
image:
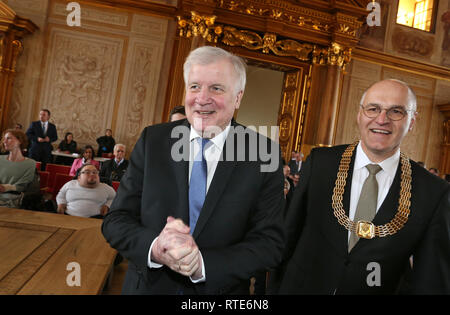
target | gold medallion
[{"x": 365, "y": 229}]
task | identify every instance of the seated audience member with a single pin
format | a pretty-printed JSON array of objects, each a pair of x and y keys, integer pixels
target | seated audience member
[
  {"x": 68, "y": 146},
  {"x": 85, "y": 196},
  {"x": 447, "y": 177},
  {"x": 16, "y": 171},
  {"x": 177, "y": 113},
  {"x": 87, "y": 157},
  {"x": 18, "y": 126},
  {"x": 106, "y": 143},
  {"x": 434, "y": 171},
  {"x": 113, "y": 170}
]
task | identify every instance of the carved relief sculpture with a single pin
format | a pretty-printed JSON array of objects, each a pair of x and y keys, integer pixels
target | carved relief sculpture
[{"x": 412, "y": 43}]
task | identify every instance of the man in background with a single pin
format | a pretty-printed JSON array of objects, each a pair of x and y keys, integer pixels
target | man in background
[
  {"x": 85, "y": 196},
  {"x": 41, "y": 134},
  {"x": 177, "y": 113},
  {"x": 113, "y": 169}
]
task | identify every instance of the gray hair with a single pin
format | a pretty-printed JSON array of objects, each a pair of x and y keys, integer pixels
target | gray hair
[
  {"x": 412, "y": 99},
  {"x": 206, "y": 55},
  {"x": 120, "y": 145}
]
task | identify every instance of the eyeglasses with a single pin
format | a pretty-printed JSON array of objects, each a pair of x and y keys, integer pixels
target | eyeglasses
[
  {"x": 396, "y": 112},
  {"x": 90, "y": 172}
]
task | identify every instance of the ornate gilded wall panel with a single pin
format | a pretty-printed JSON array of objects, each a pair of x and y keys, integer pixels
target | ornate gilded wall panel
[
  {"x": 80, "y": 82},
  {"x": 139, "y": 89}
]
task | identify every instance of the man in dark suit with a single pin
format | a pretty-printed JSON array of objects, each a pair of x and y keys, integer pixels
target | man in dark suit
[
  {"x": 362, "y": 211},
  {"x": 295, "y": 163},
  {"x": 198, "y": 212},
  {"x": 113, "y": 169},
  {"x": 41, "y": 134}
]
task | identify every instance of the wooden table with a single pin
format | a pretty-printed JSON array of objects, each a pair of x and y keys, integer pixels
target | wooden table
[{"x": 36, "y": 249}]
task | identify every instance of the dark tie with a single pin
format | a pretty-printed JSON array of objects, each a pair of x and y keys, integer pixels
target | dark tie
[
  {"x": 197, "y": 185},
  {"x": 43, "y": 129},
  {"x": 367, "y": 204}
]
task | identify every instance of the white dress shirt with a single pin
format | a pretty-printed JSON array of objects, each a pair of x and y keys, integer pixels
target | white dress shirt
[
  {"x": 213, "y": 151},
  {"x": 44, "y": 127},
  {"x": 385, "y": 177}
]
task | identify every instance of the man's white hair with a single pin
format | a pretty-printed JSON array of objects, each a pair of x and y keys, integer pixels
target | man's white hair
[{"x": 206, "y": 55}]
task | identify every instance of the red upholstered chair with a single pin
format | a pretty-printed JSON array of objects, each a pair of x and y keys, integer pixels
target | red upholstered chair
[
  {"x": 115, "y": 185},
  {"x": 60, "y": 180},
  {"x": 38, "y": 166},
  {"x": 108, "y": 155},
  {"x": 54, "y": 169}
]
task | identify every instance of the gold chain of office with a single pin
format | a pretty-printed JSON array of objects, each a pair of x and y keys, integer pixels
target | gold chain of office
[{"x": 366, "y": 229}]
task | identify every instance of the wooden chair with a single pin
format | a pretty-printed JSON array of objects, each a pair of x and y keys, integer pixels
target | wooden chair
[
  {"x": 60, "y": 180},
  {"x": 115, "y": 185}
]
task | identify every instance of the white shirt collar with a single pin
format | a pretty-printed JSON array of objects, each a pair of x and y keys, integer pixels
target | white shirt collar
[
  {"x": 218, "y": 140},
  {"x": 389, "y": 165}
]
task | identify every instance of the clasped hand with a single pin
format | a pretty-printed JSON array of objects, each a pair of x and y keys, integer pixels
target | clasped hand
[{"x": 176, "y": 248}]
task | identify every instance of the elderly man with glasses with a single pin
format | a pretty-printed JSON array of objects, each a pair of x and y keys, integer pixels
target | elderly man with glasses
[
  {"x": 362, "y": 210},
  {"x": 85, "y": 196}
]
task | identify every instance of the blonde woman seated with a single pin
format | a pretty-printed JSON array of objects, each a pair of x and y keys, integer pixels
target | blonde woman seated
[
  {"x": 87, "y": 158},
  {"x": 16, "y": 171}
]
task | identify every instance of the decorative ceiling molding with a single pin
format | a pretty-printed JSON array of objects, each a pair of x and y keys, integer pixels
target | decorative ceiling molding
[{"x": 204, "y": 26}]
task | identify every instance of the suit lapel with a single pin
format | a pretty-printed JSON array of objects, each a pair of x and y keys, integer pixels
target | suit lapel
[
  {"x": 181, "y": 171},
  {"x": 217, "y": 186},
  {"x": 335, "y": 232}
]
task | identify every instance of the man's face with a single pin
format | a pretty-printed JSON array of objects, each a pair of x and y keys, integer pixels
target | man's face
[
  {"x": 119, "y": 152},
  {"x": 381, "y": 136},
  {"x": 210, "y": 96},
  {"x": 43, "y": 116},
  {"x": 89, "y": 177},
  {"x": 286, "y": 170}
]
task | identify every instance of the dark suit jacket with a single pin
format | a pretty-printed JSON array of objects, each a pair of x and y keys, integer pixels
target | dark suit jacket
[
  {"x": 239, "y": 230},
  {"x": 294, "y": 167},
  {"x": 110, "y": 172},
  {"x": 318, "y": 259},
  {"x": 41, "y": 150}
]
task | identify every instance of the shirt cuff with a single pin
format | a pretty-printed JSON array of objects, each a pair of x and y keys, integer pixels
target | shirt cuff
[
  {"x": 150, "y": 263},
  {"x": 203, "y": 278}
]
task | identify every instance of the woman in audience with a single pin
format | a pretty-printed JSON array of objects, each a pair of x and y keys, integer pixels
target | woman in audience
[
  {"x": 68, "y": 146},
  {"x": 16, "y": 171},
  {"x": 87, "y": 157}
]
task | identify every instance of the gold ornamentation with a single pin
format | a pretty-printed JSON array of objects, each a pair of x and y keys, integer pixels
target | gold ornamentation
[
  {"x": 364, "y": 228},
  {"x": 199, "y": 26},
  {"x": 335, "y": 55},
  {"x": 268, "y": 43}
]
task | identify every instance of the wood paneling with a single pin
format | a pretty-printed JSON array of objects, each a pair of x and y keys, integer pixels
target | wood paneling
[{"x": 36, "y": 248}]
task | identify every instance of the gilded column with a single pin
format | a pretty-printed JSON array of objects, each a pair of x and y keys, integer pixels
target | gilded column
[{"x": 12, "y": 30}]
